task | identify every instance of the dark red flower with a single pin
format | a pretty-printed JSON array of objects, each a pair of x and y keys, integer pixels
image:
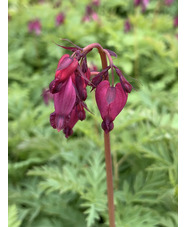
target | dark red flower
[
  {"x": 176, "y": 21},
  {"x": 110, "y": 101},
  {"x": 142, "y": 3},
  {"x": 64, "y": 102},
  {"x": 60, "y": 18},
  {"x": 34, "y": 26},
  {"x": 169, "y": 2},
  {"x": 90, "y": 14},
  {"x": 69, "y": 90},
  {"x": 96, "y": 2},
  {"x": 127, "y": 26}
]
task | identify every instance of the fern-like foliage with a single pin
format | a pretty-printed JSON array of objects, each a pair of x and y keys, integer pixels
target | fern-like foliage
[
  {"x": 13, "y": 218},
  {"x": 54, "y": 182}
]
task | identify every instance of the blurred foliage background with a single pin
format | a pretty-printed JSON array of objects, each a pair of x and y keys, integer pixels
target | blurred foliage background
[{"x": 59, "y": 182}]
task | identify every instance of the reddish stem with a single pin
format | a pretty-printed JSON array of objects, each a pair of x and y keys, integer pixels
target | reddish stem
[
  {"x": 110, "y": 193},
  {"x": 108, "y": 159}
]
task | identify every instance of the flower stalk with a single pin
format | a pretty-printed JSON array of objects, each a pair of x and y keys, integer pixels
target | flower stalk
[
  {"x": 108, "y": 158},
  {"x": 69, "y": 92},
  {"x": 110, "y": 192}
]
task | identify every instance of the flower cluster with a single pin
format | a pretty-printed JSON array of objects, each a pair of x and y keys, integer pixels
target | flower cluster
[
  {"x": 69, "y": 91},
  {"x": 90, "y": 11}
]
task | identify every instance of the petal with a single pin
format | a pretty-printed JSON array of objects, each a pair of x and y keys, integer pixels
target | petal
[
  {"x": 69, "y": 124},
  {"x": 65, "y": 99},
  {"x": 120, "y": 100},
  {"x": 111, "y": 95},
  {"x": 110, "y": 100},
  {"x": 62, "y": 58},
  {"x": 52, "y": 119},
  {"x": 64, "y": 74},
  {"x": 81, "y": 87},
  {"x": 65, "y": 63},
  {"x": 55, "y": 86},
  {"x": 101, "y": 92}
]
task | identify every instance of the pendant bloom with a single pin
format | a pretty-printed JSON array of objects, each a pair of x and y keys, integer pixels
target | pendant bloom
[
  {"x": 69, "y": 90},
  {"x": 34, "y": 26},
  {"x": 110, "y": 101}
]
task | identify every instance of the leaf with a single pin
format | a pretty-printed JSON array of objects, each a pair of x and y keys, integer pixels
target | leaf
[{"x": 13, "y": 219}]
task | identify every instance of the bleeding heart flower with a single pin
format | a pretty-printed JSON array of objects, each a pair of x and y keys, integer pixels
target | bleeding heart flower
[
  {"x": 169, "y": 2},
  {"x": 127, "y": 26},
  {"x": 143, "y": 4},
  {"x": 110, "y": 101},
  {"x": 176, "y": 21},
  {"x": 60, "y": 18},
  {"x": 69, "y": 90},
  {"x": 64, "y": 102},
  {"x": 34, "y": 26}
]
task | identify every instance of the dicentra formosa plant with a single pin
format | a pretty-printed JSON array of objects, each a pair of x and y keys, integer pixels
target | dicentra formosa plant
[{"x": 69, "y": 92}]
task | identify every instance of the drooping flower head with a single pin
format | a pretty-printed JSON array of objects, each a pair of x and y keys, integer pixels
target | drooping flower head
[
  {"x": 69, "y": 91},
  {"x": 110, "y": 101}
]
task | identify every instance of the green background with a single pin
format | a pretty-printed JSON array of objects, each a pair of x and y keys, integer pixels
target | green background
[{"x": 59, "y": 182}]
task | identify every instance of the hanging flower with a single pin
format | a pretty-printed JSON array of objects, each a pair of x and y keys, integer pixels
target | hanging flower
[
  {"x": 110, "y": 101},
  {"x": 142, "y": 3},
  {"x": 127, "y": 26},
  {"x": 69, "y": 90},
  {"x": 34, "y": 26},
  {"x": 169, "y": 2},
  {"x": 176, "y": 21},
  {"x": 60, "y": 18}
]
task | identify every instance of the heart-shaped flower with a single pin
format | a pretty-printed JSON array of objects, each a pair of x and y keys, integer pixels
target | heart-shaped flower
[{"x": 110, "y": 100}]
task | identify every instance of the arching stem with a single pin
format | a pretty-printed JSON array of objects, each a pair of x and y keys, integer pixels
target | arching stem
[{"x": 108, "y": 160}]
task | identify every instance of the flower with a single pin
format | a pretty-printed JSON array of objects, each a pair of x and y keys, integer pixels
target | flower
[
  {"x": 90, "y": 14},
  {"x": 110, "y": 100},
  {"x": 169, "y": 2},
  {"x": 176, "y": 21},
  {"x": 127, "y": 26},
  {"x": 69, "y": 90},
  {"x": 34, "y": 26},
  {"x": 64, "y": 101},
  {"x": 143, "y": 4},
  {"x": 96, "y": 2},
  {"x": 60, "y": 18}
]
